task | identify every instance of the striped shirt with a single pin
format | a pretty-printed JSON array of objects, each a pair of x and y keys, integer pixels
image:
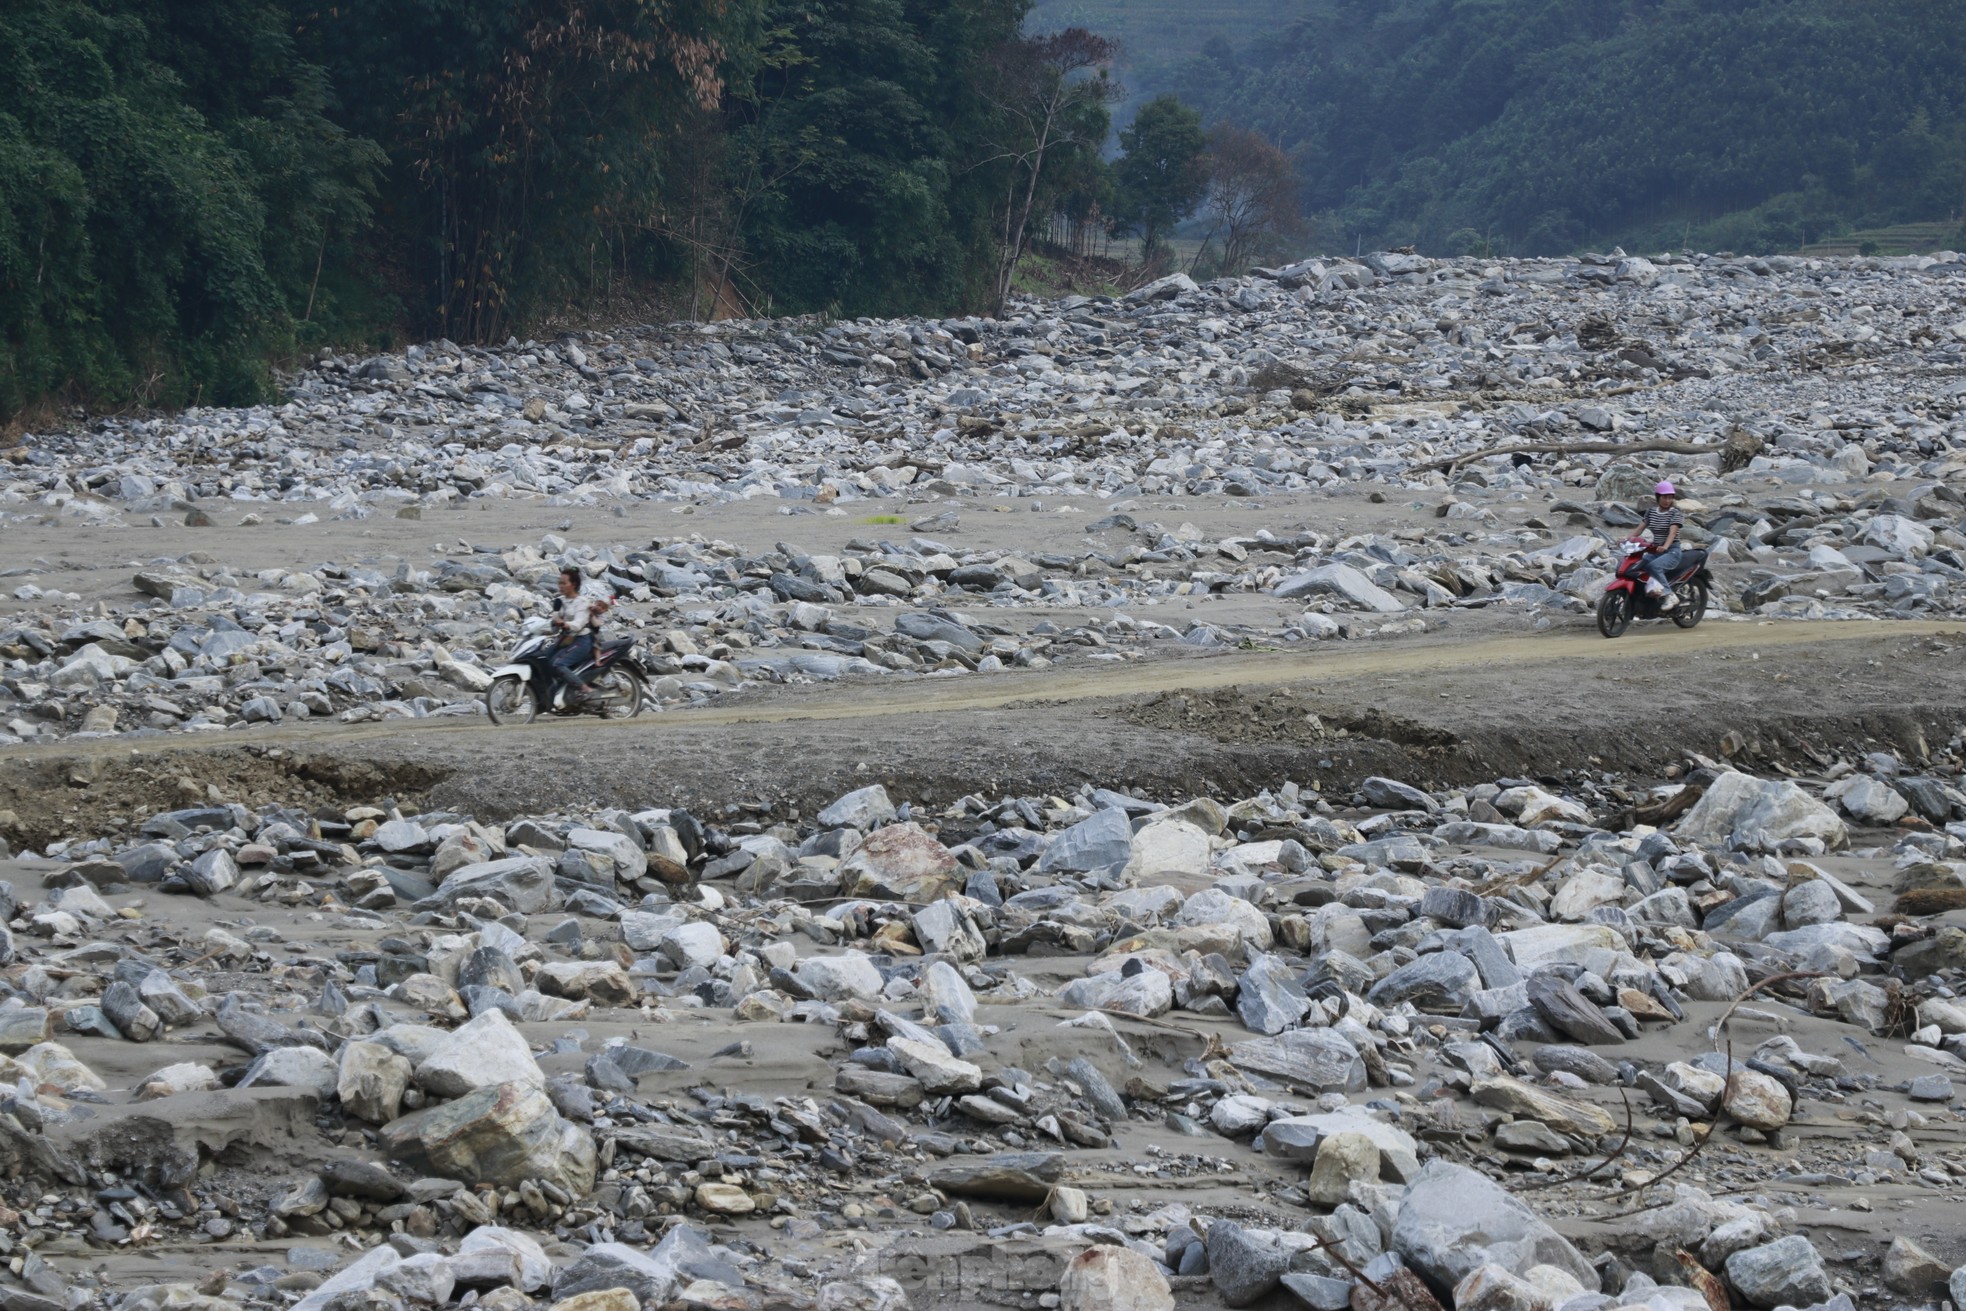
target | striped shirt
[{"x": 1659, "y": 522}]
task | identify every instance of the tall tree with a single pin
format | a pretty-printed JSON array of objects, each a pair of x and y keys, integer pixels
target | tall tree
[
  {"x": 849, "y": 144},
  {"x": 1162, "y": 172},
  {"x": 526, "y": 135},
  {"x": 1252, "y": 196},
  {"x": 1050, "y": 95},
  {"x": 161, "y": 173}
]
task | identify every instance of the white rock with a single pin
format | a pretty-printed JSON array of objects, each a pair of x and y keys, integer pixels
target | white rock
[
  {"x": 1167, "y": 846},
  {"x": 835, "y": 978},
  {"x": 482, "y": 1052},
  {"x": 1342, "y": 581},
  {"x": 1212, "y": 906},
  {"x": 1741, "y": 811}
]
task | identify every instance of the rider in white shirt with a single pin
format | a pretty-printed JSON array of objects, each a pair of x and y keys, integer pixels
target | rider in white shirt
[{"x": 577, "y": 616}]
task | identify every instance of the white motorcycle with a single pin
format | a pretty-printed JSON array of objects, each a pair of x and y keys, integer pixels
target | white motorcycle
[{"x": 610, "y": 684}]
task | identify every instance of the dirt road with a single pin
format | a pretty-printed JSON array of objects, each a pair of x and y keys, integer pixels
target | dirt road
[{"x": 1439, "y": 708}]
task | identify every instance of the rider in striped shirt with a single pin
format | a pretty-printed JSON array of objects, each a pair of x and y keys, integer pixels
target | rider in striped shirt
[{"x": 1663, "y": 521}]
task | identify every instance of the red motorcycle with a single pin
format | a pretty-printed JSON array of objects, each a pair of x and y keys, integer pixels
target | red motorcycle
[{"x": 1626, "y": 599}]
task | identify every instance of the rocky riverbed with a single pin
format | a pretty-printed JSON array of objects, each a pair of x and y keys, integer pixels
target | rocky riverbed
[
  {"x": 1135, "y": 821},
  {"x": 1317, "y": 453},
  {"x": 1570, "y": 1043}
]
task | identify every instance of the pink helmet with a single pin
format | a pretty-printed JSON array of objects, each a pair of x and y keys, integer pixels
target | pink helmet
[{"x": 1665, "y": 489}]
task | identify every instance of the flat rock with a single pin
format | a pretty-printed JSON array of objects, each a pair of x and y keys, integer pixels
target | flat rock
[{"x": 1000, "y": 1176}]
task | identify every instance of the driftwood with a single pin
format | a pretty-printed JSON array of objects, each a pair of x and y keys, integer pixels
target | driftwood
[
  {"x": 1574, "y": 448},
  {"x": 1658, "y": 814}
]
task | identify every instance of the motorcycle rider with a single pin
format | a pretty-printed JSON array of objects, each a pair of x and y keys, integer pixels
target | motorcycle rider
[
  {"x": 577, "y": 617},
  {"x": 1663, "y": 521}
]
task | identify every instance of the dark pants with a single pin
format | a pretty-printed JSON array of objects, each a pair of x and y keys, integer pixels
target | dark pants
[{"x": 577, "y": 652}]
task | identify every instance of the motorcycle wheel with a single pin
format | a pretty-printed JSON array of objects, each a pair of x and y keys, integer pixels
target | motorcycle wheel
[
  {"x": 509, "y": 700},
  {"x": 1614, "y": 613},
  {"x": 1692, "y": 607},
  {"x": 619, "y": 694}
]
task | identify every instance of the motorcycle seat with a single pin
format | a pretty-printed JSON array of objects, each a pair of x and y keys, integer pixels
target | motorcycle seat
[
  {"x": 617, "y": 644},
  {"x": 1691, "y": 560}
]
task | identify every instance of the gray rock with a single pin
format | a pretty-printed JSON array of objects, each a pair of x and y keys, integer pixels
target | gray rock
[
  {"x": 1455, "y": 907},
  {"x": 862, "y": 809},
  {"x": 1788, "y": 1271},
  {"x": 1171, "y": 287},
  {"x": 1320, "y": 1292},
  {"x": 161, "y": 993},
  {"x": 1585, "y": 1064},
  {"x": 1740, "y": 811},
  {"x": 1395, "y": 795},
  {"x": 1569, "y": 1012},
  {"x": 1440, "y": 983},
  {"x": 1341, "y": 581},
  {"x": 1931, "y": 1088},
  {"x": 1481, "y": 947},
  {"x": 832, "y": 978},
  {"x": 1809, "y": 903},
  {"x": 1868, "y": 800},
  {"x": 1244, "y": 1266},
  {"x": 1268, "y": 999},
  {"x": 126, "y": 1010},
  {"x": 1000, "y": 1176},
  {"x": 1315, "y": 1060},
  {"x": 1105, "y": 841},
  {"x": 525, "y": 883},
  {"x": 1098, "y": 1090},
  {"x": 946, "y": 997},
  {"x": 504, "y": 1134},
  {"x": 1453, "y": 1220},
  {"x": 212, "y": 873}
]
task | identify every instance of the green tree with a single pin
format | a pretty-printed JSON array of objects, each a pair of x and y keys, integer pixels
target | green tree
[
  {"x": 1162, "y": 171},
  {"x": 525, "y": 137},
  {"x": 851, "y": 147},
  {"x": 151, "y": 211}
]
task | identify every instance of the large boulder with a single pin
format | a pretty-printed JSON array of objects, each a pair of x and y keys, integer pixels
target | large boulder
[
  {"x": 1113, "y": 1279},
  {"x": 1315, "y": 1060},
  {"x": 683, "y": 1256},
  {"x": 900, "y": 862},
  {"x": 525, "y": 883},
  {"x": 835, "y": 978},
  {"x": 1441, "y": 982},
  {"x": 505, "y": 1134},
  {"x": 1168, "y": 846},
  {"x": 1171, "y": 287},
  {"x": 484, "y": 1052},
  {"x": 623, "y": 854},
  {"x": 862, "y": 808},
  {"x": 1453, "y": 1220},
  {"x": 1105, "y": 841},
  {"x": 1867, "y": 800},
  {"x": 1741, "y": 811},
  {"x": 371, "y": 1080},
  {"x": 1788, "y": 1271},
  {"x": 1343, "y": 582}
]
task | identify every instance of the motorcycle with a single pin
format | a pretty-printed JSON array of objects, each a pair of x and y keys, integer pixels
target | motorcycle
[
  {"x": 1625, "y": 597},
  {"x": 613, "y": 681}
]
